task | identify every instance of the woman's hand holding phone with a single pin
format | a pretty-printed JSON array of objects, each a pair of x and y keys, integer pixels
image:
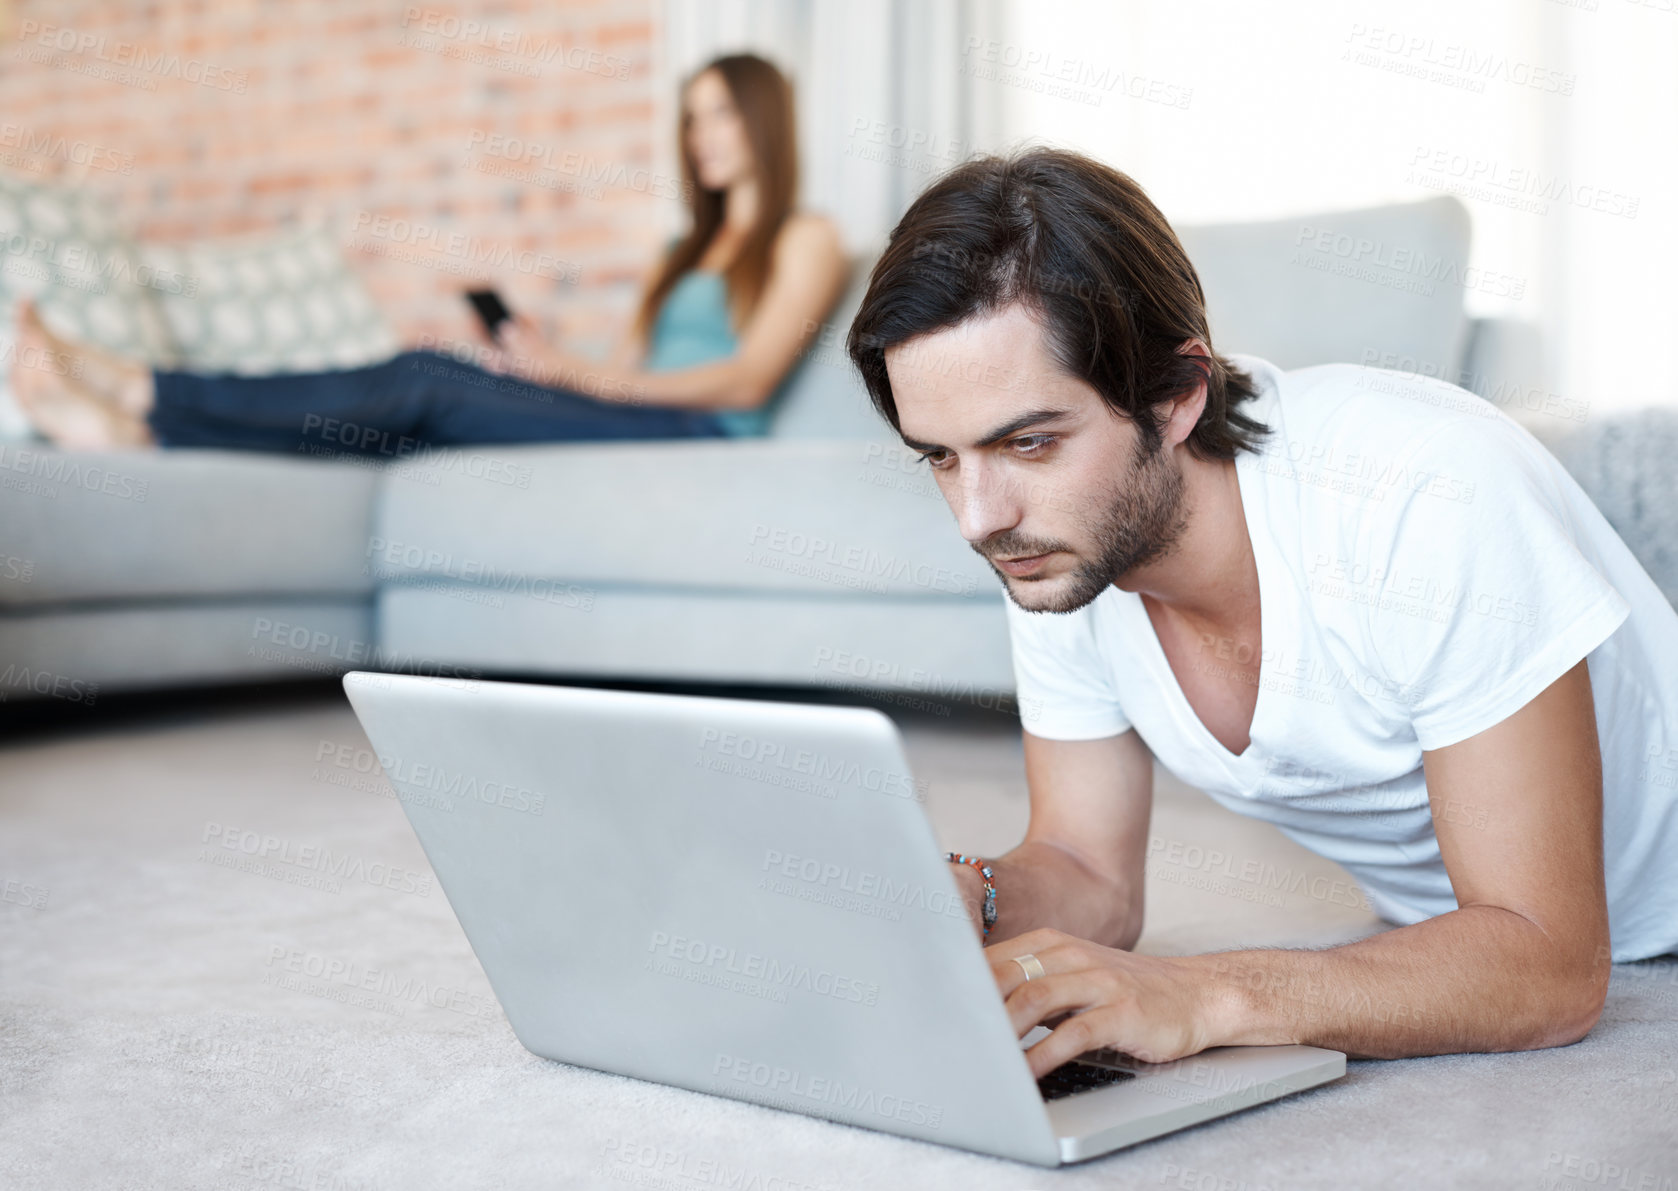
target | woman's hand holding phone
[{"x": 522, "y": 351}]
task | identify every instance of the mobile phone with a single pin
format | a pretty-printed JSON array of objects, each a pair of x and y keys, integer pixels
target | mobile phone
[{"x": 492, "y": 311}]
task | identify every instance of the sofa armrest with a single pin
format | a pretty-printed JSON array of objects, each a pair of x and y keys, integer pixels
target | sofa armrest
[{"x": 1623, "y": 461}]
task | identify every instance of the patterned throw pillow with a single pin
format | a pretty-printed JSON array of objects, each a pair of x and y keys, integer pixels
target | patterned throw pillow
[
  {"x": 279, "y": 302},
  {"x": 62, "y": 247}
]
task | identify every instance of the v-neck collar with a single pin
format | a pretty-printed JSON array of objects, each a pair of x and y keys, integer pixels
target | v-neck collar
[{"x": 1249, "y": 480}]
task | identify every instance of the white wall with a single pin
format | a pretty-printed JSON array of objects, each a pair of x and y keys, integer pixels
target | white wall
[
  {"x": 1230, "y": 110},
  {"x": 1317, "y": 104},
  {"x": 883, "y": 107}
]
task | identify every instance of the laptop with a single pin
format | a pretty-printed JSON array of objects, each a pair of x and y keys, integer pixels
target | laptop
[{"x": 745, "y": 899}]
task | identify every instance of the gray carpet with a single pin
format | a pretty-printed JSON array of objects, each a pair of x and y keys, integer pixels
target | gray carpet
[{"x": 151, "y": 1037}]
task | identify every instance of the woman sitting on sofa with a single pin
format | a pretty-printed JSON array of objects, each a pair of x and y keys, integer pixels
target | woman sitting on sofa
[{"x": 722, "y": 320}]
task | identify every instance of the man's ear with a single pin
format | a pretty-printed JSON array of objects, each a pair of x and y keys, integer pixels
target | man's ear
[{"x": 1178, "y": 416}]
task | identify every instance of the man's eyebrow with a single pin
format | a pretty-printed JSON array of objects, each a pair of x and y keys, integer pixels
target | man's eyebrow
[{"x": 1029, "y": 418}]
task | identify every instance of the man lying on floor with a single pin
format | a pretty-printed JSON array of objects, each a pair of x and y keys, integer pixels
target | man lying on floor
[{"x": 1379, "y": 615}]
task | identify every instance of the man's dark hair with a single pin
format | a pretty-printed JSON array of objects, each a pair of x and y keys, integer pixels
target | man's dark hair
[{"x": 1082, "y": 247}]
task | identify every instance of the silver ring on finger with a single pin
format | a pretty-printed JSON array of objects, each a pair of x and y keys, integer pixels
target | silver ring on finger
[{"x": 1031, "y": 966}]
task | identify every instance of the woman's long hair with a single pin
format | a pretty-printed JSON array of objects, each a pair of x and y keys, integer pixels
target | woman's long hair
[{"x": 764, "y": 98}]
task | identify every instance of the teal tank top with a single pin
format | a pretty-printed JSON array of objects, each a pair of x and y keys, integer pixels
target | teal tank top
[{"x": 693, "y": 328}]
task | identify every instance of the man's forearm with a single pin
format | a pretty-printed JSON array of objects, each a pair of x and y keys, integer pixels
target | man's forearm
[
  {"x": 1475, "y": 979},
  {"x": 1039, "y": 884}
]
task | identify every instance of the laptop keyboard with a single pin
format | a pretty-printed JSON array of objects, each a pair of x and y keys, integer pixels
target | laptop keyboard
[{"x": 1090, "y": 1070}]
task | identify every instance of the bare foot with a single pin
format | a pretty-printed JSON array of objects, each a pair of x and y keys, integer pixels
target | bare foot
[
  {"x": 122, "y": 383},
  {"x": 53, "y": 398}
]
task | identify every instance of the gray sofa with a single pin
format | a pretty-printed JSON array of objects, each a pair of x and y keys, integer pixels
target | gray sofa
[{"x": 818, "y": 556}]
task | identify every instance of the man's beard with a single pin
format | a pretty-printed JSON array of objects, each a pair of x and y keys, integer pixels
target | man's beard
[{"x": 1138, "y": 521}]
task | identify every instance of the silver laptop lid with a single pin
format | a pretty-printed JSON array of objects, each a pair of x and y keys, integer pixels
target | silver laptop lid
[{"x": 741, "y": 898}]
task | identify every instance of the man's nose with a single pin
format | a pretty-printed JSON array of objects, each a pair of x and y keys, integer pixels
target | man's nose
[{"x": 984, "y": 504}]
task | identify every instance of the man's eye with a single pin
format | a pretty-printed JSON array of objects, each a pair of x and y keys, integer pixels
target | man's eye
[
  {"x": 1034, "y": 444},
  {"x": 935, "y": 458}
]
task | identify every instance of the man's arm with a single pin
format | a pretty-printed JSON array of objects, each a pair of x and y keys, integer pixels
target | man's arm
[
  {"x": 1518, "y": 813},
  {"x": 1079, "y": 868}
]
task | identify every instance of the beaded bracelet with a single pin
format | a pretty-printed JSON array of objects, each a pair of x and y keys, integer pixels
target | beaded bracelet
[{"x": 988, "y": 914}]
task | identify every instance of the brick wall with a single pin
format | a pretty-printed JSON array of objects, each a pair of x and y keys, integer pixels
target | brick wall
[{"x": 513, "y": 140}]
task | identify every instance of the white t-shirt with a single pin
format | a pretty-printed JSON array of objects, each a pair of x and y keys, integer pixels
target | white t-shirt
[{"x": 1425, "y": 569}]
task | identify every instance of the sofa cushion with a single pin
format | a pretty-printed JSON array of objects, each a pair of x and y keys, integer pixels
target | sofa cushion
[
  {"x": 941, "y": 650},
  {"x": 283, "y": 301},
  {"x": 1381, "y": 286},
  {"x": 834, "y": 517},
  {"x": 823, "y": 397},
  {"x": 74, "y": 656},
  {"x": 62, "y": 247},
  {"x": 144, "y": 525}
]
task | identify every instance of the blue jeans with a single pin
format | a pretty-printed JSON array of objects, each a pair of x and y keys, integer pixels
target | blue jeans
[{"x": 415, "y": 400}]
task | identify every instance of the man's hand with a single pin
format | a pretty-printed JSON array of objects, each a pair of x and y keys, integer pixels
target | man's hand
[{"x": 1153, "y": 1008}]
